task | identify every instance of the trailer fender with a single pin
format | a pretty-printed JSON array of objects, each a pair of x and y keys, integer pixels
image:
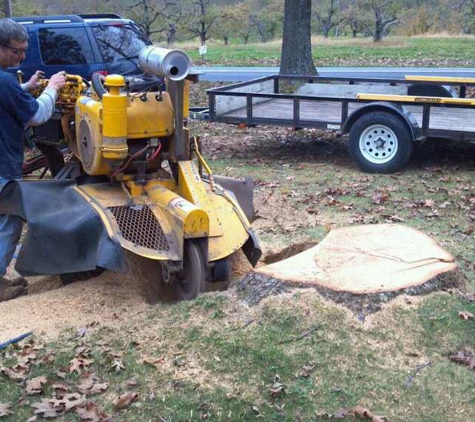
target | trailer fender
[
  {"x": 388, "y": 107},
  {"x": 423, "y": 90}
]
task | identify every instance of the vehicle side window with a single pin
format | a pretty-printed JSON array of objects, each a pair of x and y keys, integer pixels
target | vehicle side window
[
  {"x": 118, "y": 42},
  {"x": 62, "y": 46}
]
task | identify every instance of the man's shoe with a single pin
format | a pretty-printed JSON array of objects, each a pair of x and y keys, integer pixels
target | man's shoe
[
  {"x": 12, "y": 282},
  {"x": 10, "y": 292}
]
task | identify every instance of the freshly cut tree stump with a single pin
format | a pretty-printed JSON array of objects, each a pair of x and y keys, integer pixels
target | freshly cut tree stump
[{"x": 368, "y": 261}]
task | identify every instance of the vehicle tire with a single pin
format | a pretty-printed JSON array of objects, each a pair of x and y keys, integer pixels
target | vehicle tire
[
  {"x": 380, "y": 142},
  {"x": 191, "y": 281}
]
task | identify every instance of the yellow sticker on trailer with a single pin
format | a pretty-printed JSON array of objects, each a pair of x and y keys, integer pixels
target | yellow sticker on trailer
[{"x": 427, "y": 99}]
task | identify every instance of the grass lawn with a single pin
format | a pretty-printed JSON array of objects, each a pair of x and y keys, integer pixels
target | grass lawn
[{"x": 393, "y": 51}]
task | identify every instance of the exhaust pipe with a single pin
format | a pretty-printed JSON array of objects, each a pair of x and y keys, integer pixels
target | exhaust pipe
[{"x": 172, "y": 64}]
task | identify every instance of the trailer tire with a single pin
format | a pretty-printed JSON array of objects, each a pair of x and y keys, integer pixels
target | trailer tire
[{"x": 380, "y": 142}]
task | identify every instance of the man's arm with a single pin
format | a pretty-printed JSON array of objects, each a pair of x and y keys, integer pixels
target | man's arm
[
  {"x": 46, "y": 102},
  {"x": 47, "y": 99}
]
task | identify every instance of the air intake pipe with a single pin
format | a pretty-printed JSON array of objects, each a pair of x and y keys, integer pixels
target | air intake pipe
[{"x": 171, "y": 64}]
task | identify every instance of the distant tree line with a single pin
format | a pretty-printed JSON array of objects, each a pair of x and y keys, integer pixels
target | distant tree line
[{"x": 262, "y": 20}]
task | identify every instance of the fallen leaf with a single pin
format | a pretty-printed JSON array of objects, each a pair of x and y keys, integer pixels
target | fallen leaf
[
  {"x": 469, "y": 297},
  {"x": 90, "y": 412},
  {"x": 255, "y": 409},
  {"x": 464, "y": 358},
  {"x": 69, "y": 402},
  {"x": 155, "y": 363},
  {"x": 35, "y": 385},
  {"x": 277, "y": 388},
  {"x": 60, "y": 390},
  {"x": 380, "y": 197},
  {"x": 79, "y": 365},
  {"x": 340, "y": 414},
  {"x": 5, "y": 409},
  {"x": 117, "y": 364},
  {"x": 361, "y": 412},
  {"x": 307, "y": 370},
  {"x": 46, "y": 409},
  {"x": 428, "y": 203},
  {"x": 465, "y": 315},
  {"x": 89, "y": 384},
  {"x": 12, "y": 375},
  {"x": 125, "y": 400},
  {"x": 469, "y": 231},
  {"x": 81, "y": 332}
]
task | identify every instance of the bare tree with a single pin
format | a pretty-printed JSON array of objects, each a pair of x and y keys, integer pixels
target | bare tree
[
  {"x": 200, "y": 18},
  {"x": 327, "y": 15},
  {"x": 296, "y": 58},
  {"x": 157, "y": 17},
  {"x": 466, "y": 11},
  {"x": 384, "y": 16},
  {"x": 7, "y": 8}
]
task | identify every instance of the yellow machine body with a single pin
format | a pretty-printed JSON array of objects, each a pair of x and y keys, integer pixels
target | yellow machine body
[
  {"x": 105, "y": 128},
  {"x": 154, "y": 219},
  {"x": 145, "y": 181}
]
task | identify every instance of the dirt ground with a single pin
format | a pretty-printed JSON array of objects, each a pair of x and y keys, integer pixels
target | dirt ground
[
  {"x": 106, "y": 300},
  {"x": 112, "y": 298}
]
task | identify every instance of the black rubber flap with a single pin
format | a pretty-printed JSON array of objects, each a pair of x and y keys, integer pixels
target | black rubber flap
[{"x": 65, "y": 234}]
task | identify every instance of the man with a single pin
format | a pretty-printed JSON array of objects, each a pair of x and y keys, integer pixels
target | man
[{"x": 18, "y": 110}]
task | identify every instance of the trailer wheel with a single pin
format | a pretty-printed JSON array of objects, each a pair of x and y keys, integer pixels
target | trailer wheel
[
  {"x": 380, "y": 142},
  {"x": 191, "y": 281}
]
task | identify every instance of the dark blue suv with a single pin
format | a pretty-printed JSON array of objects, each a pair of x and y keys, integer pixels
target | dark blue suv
[{"x": 82, "y": 45}]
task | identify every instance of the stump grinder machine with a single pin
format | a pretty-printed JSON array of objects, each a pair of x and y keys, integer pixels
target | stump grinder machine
[{"x": 140, "y": 170}]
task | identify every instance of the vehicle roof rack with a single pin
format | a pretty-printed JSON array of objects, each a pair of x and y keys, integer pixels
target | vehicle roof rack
[
  {"x": 101, "y": 16},
  {"x": 48, "y": 19}
]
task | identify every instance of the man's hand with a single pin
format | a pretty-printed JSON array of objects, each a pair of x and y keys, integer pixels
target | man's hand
[
  {"x": 57, "y": 81},
  {"x": 34, "y": 81}
]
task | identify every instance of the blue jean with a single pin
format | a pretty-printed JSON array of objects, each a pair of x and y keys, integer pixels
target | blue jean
[{"x": 10, "y": 232}]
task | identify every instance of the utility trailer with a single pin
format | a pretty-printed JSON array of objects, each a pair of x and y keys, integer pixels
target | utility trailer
[{"x": 383, "y": 117}]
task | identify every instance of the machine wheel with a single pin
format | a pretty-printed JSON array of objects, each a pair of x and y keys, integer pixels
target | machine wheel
[
  {"x": 80, "y": 276},
  {"x": 380, "y": 142},
  {"x": 191, "y": 281}
]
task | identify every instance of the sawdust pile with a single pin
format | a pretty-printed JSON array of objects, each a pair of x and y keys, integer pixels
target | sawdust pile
[{"x": 50, "y": 307}]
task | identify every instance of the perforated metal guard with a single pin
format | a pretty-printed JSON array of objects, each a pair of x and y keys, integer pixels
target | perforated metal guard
[{"x": 139, "y": 226}]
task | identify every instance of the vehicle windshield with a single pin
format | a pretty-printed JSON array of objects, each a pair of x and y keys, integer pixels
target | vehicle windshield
[{"x": 120, "y": 42}]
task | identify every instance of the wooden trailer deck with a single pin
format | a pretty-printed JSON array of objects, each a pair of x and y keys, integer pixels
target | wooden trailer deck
[{"x": 280, "y": 111}]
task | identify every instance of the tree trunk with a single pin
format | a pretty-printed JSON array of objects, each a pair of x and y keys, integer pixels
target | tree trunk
[
  {"x": 378, "y": 33},
  {"x": 296, "y": 58},
  {"x": 171, "y": 34},
  {"x": 226, "y": 40},
  {"x": 8, "y": 8}
]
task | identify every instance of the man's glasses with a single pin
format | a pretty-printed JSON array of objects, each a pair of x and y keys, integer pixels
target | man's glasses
[{"x": 16, "y": 51}]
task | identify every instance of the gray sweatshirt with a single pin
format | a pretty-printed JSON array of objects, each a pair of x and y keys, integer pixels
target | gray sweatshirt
[{"x": 46, "y": 102}]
